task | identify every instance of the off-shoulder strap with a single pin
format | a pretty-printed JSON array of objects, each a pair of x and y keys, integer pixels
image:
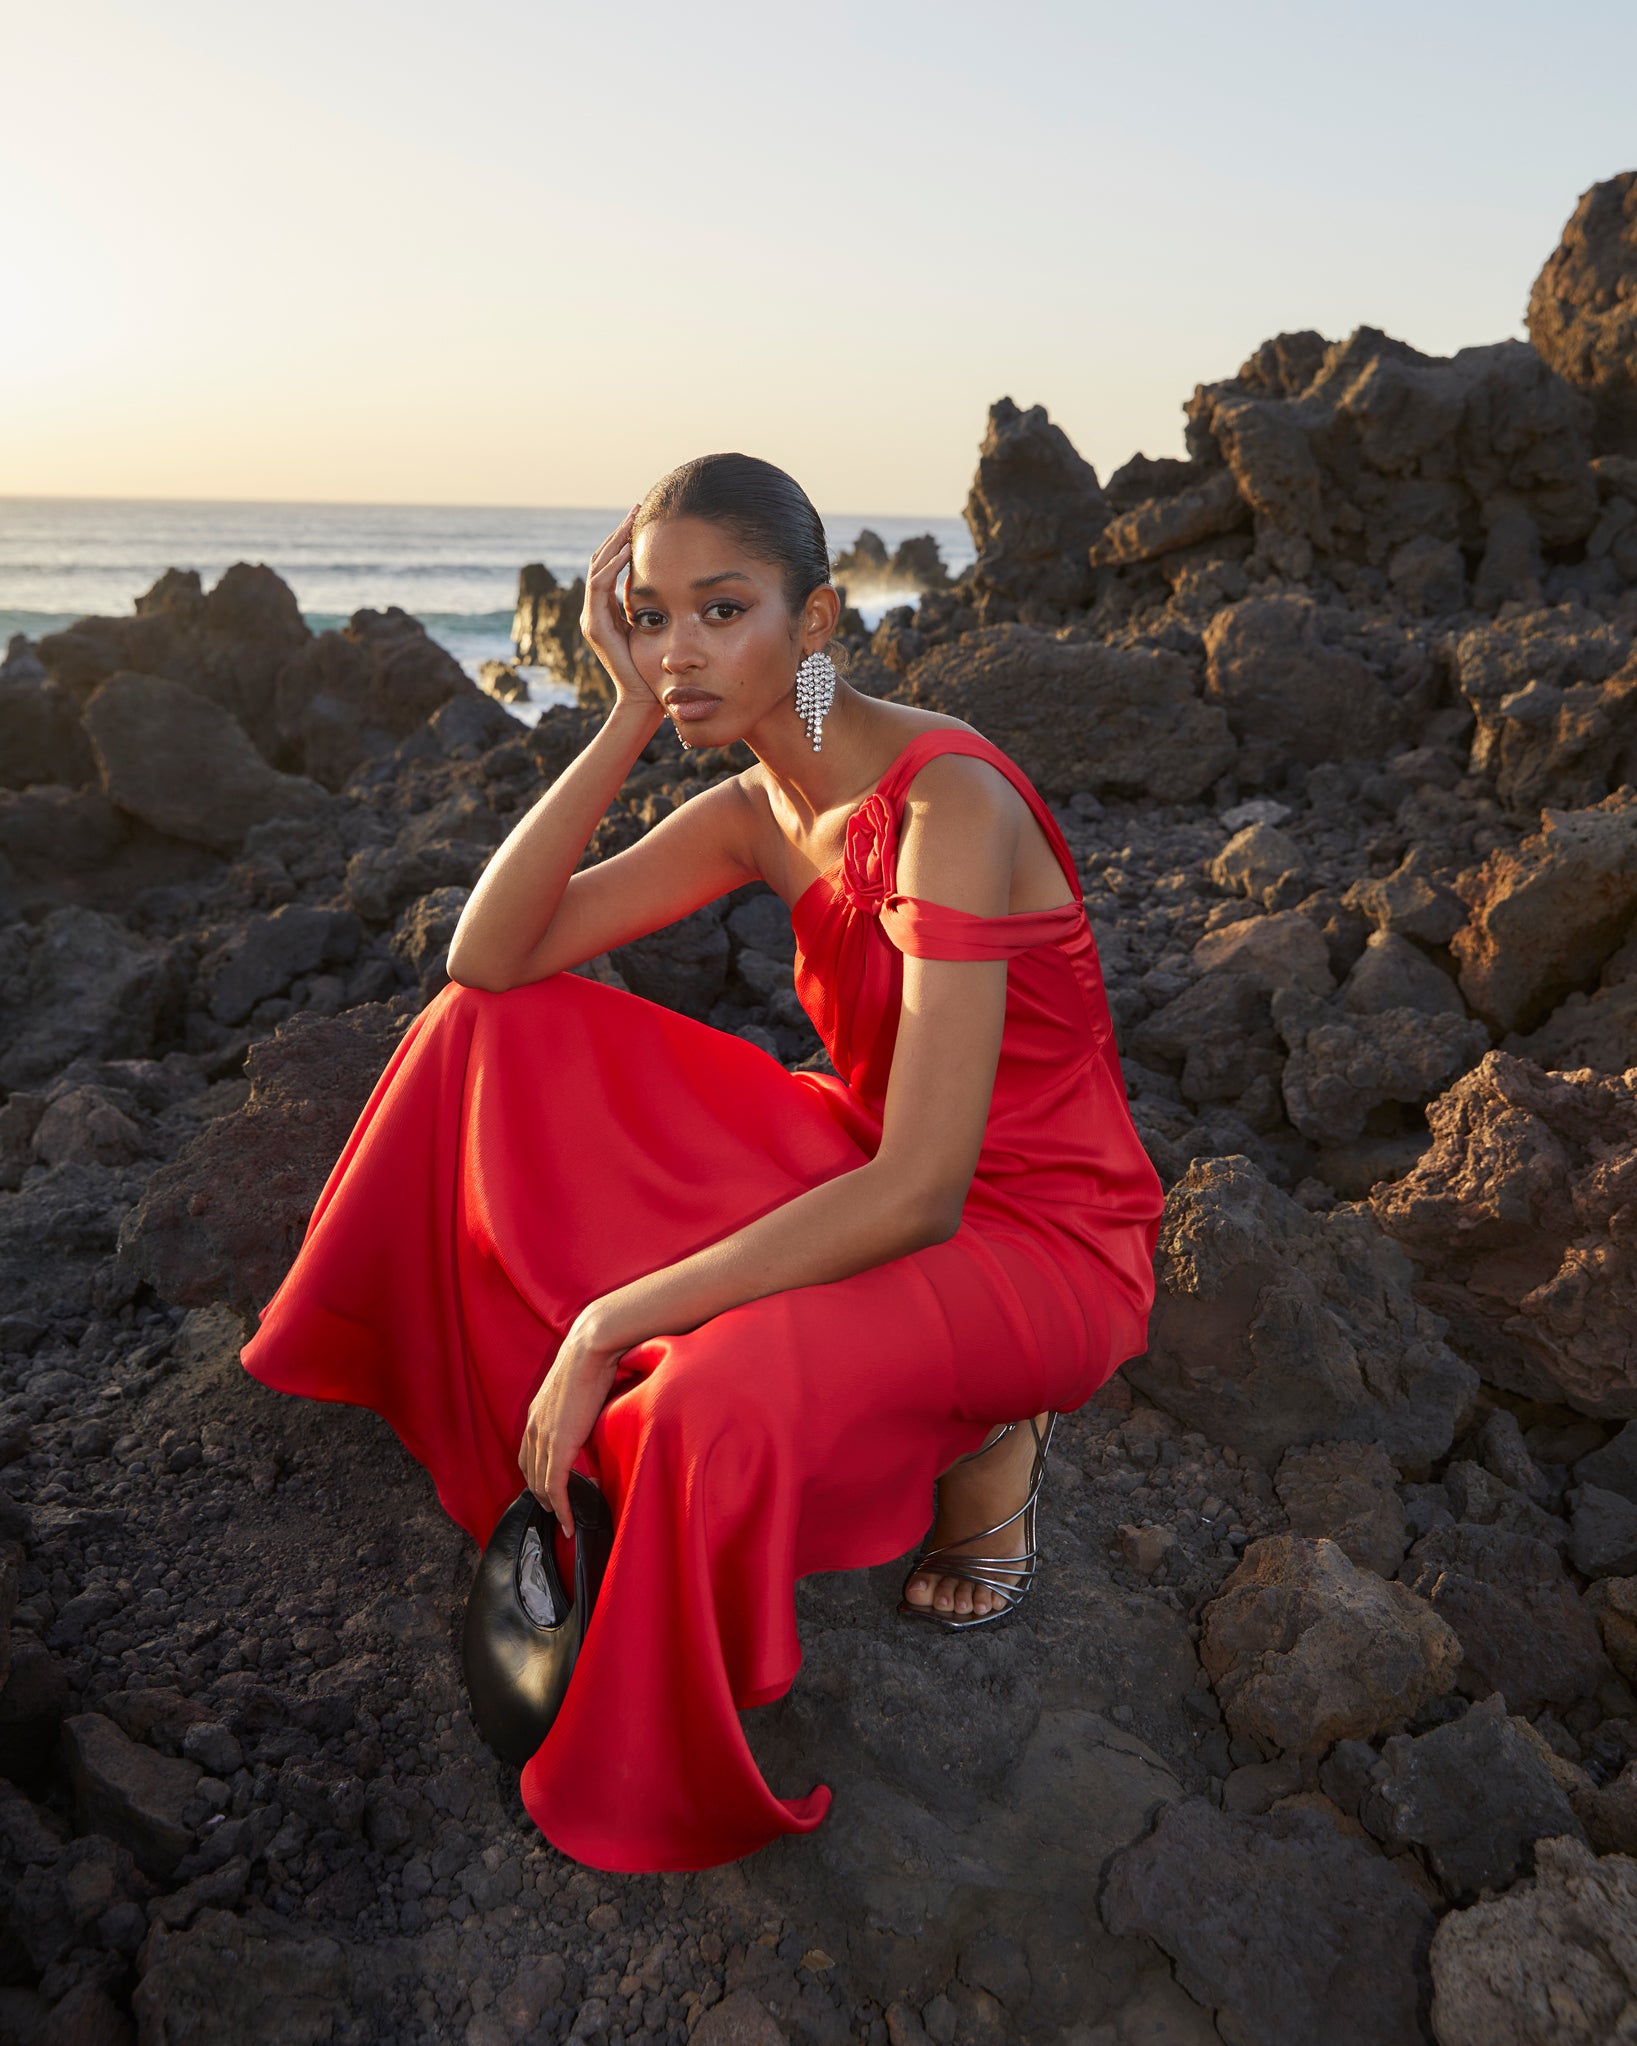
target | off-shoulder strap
[{"x": 938, "y": 930}]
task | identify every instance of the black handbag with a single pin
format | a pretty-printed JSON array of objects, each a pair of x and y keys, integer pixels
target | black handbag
[{"x": 522, "y": 1631}]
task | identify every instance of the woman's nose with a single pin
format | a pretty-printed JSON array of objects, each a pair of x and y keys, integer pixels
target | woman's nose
[{"x": 681, "y": 651}]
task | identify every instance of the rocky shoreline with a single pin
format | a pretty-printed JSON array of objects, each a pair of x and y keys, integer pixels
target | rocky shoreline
[{"x": 1322, "y": 1725}]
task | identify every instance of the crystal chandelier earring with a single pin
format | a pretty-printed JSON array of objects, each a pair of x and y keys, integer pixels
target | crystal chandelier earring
[{"x": 815, "y": 691}]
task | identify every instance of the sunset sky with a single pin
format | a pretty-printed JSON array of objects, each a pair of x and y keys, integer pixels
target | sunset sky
[{"x": 496, "y": 253}]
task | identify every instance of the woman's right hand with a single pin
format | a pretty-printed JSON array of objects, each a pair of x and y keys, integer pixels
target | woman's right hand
[{"x": 604, "y": 626}]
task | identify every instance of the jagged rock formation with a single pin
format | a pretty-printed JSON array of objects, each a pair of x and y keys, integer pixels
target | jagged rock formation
[
  {"x": 1035, "y": 507},
  {"x": 1583, "y": 308},
  {"x": 866, "y": 569},
  {"x": 546, "y": 633},
  {"x": 1520, "y": 1217}
]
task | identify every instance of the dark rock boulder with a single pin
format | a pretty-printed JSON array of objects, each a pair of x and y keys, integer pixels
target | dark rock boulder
[
  {"x": 1079, "y": 715},
  {"x": 1583, "y": 307},
  {"x": 1275, "y": 1326},
  {"x": 1348, "y": 452},
  {"x": 1345, "y": 1492},
  {"x": 1613, "y": 1468},
  {"x": 1393, "y": 972},
  {"x": 272, "y": 951},
  {"x": 1603, "y": 1532},
  {"x": 1597, "y": 1029},
  {"x": 1555, "y": 703},
  {"x": 126, "y": 1792},
  {"x": 1204, "y": 507},
  {"x": 1304, "y": 1649},
  {"x": 965, "y": 1819},
  {"x": 1034, "y": 508},
  {"x": 1550, "y": 1963},
  {"x": 1344, "y": 1067},
  {"x": 228, "y": 646},
  {"x": 424, "y": 934},
  {"x": 349, "y": 696},
  {"x": 256, "y": 1978},
  {"x": 78, "y": 984},
  {"x": 1546, "y": 916},
  {"x": 546, "y": 634},
  {"x": 224, "y": 1221},
  {"x": 1278, "y": 669},
  {"x": 1522, "y": 1627},
  {"x": 48, "y": 831},
  {"x": 1515, "y": 1217},
  {"x": 1284, "y": 1927},
  {"x": 1220, "y": 1029},
  {"x": 185, "y": 766},
  {"x": 41, "y": 737},
  {"x": 1474, "y": 1796},
  {"x": 383, "y": 880},
  {"x": 684, "y": 965}
]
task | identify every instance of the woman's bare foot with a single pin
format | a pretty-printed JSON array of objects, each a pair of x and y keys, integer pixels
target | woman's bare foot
[{"x": 978, "y": 1493}]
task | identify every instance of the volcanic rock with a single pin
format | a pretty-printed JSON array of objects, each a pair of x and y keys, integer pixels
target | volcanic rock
[{"x": 1582, "y": 314}]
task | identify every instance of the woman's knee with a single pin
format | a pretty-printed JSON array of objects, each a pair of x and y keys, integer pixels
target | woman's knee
[{"x": 706, "y": 1389}]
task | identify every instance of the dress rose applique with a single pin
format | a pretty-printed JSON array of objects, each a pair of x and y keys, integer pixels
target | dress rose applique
[{"x": 870, "y": 856}]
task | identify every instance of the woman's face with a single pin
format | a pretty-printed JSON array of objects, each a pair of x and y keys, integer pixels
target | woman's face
[{"x": 711, "y": 634}]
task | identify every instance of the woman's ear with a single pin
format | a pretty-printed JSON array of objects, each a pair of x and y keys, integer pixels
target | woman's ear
[{"x": 821, "y": 615}]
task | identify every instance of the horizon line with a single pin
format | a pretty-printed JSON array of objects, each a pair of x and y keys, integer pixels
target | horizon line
[{"x": 382, "y": 504}]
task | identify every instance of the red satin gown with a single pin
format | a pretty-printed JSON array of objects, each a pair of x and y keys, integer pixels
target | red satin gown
[{"x": 527, "y": 1151}]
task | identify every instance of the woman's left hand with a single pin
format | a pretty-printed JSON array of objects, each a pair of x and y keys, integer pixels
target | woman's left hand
[{"x": 563, "y": 1413}]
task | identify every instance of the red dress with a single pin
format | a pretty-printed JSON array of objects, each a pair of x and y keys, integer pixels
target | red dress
[{"x": 526, "y": 1152}]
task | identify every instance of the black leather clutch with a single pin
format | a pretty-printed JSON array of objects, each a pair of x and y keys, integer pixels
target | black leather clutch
[{"x": 523, "y": 1630}]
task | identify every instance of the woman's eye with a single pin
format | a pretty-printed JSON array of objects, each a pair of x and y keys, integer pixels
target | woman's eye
[
  {"x": 642, "y": 617},
  {"x": 725, "y": 604}
]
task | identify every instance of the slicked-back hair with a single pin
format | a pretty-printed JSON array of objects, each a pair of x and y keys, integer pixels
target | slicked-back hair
[{"x": 766, "y": 510}]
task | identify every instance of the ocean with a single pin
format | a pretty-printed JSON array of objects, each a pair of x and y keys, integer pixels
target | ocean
[{"x": 453, "y": 567}]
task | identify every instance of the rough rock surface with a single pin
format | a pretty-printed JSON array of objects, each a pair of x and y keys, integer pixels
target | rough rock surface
[
  {"x": 1347, "y": 452},
  {"x": 1523, "y": 1629},
  {"x": 347, "y": 697},
  {"x": 1474, "y": 1796},
  {"x": 227, "y": 646},
  {"x": 1555, "y": 703},
  {"x": 129, "y": 1794},
  {"x": 1281, "y": 684},
  {"x": 1345, "y": 1492},
  {"x": 1034, "y": 508},
  {"x": 1583, "y": 308},
  {"x": 1304, "y": 1649},
  {"x": 546, "y": 633},
  {"x": 187, "y": 768},
  {"x": 1077, "y": 716},
  {"x": 1276, "y": 1326},
  {"x": 1552, "y": 1963},
  {"x": 1520, "y": 1218},
  {"x": 41, "y": 737},
  {"x": 1546, "y": 917},
  {"x": 226, "y": 1219},
  {"x": 1343, "y": 1066},
  {"x": 79, "y": 984},
  {"x": 1287, "y": 1930}
]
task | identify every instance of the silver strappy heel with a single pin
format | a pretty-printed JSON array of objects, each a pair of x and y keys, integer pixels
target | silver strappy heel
[{"x": 1011, "y": 1577}]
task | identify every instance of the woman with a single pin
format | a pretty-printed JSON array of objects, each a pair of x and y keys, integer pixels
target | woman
[{"x": 763, "y": 1310}]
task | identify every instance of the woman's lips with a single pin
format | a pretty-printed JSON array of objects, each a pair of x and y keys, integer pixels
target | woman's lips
[{"x": 690, "y": 709}]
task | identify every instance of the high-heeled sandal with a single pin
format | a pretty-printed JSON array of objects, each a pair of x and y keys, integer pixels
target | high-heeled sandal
[{"x": 1011, "y": 1578}]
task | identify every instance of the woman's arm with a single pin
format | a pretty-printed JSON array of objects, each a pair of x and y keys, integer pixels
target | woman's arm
[
  {"x": 958, "y": 847},
  {"x": 517, "y": 897},
  {"x": 531, "y": 914}
]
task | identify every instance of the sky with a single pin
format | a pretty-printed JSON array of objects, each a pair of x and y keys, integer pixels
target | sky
[{"x": 514, "y": 252}]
